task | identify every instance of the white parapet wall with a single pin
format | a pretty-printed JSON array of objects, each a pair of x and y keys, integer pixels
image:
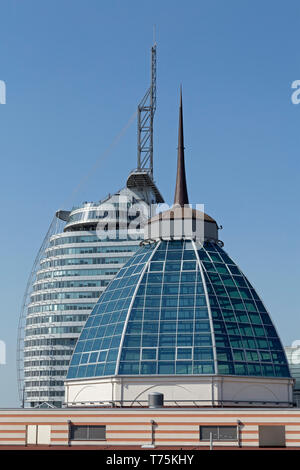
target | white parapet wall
[{"x": 200, "y": 391}]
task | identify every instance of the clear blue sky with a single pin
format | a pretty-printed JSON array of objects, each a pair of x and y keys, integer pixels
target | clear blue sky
[{"x": 75, "y": 71}]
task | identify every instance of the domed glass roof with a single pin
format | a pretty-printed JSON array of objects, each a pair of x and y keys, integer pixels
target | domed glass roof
[{"x": 179, "y": 307}]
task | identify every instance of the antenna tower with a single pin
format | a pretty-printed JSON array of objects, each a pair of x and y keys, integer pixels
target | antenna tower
[{"x": 145, "y": 115}]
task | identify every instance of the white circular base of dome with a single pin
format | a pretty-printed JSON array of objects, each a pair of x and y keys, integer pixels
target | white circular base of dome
[{"x": 183, "y": 390}]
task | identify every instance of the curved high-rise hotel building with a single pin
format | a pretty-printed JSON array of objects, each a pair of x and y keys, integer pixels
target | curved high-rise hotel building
[{"x": 82, "y": 252}]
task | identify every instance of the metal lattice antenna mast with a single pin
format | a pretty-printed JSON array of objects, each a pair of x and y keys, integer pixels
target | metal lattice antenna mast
[{"x": 146, "y": 110}]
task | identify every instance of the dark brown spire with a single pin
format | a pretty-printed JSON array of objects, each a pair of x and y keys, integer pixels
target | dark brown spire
[{"x": 181, "y": 195}]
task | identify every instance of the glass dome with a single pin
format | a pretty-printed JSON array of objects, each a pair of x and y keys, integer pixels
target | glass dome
[{"x": 179, "y": 308}]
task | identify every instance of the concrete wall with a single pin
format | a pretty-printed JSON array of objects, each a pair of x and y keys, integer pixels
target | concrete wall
[
  {"x": 207, "y": 390},
  {"x": 132, "y": 426}
]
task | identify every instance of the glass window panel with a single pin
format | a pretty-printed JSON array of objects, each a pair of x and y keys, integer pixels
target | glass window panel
[
  {"x": 176, "y": 245},
  {"x": 274, "y": 343},
  {"x": 260, "y": 306},
  {"x": 149, "y": 353},
  {"x": 203, "y": 340},
  {"x": 184, "y": 353},
  {"x": 152, "y": 301},
  {"x": 150, "y": 327},
  {"x": 184, "y": 367},
  {"x": 216, "y": 313},
  {"x": 203, "y": 256},
  {"x": 227, "y": 433},
  {"x": 203, "y": 368},
  {"x": 151, "y": 314},
  {"x": 174, "y": 255},
  {"x": 216, "y": 279},
  {"x": 259, "y": 331},
  {"x": 281, "y": 371},
  {"x": 132, "y": 341},
  {"x": 187, "y": 289},
  {"x": 265, "y": 356},
  {"x": 278, "y": 357},
  {"x": 221, "y": 268},
  {"x": 201, "y": 313},
  {"x": 153, "y": 289},
  {"x": 271, "y": 331},
  {"x": 238, "y": 304},
  {"x": 186, "y": 314},
  {"x": 219, "y": 327},
  {"x": 224, "y": 354},
  {"x": 186, "y": 301},
  {"x": 189, "y": 255},
  {"x": 168, "y": 314},
  {"x": 236, "y": 342},
  {"x": 172, "y": 266},
  {"x": 238, "y": 355},
  {"x": 170, "y": 289},
  {"x": 130, "y": 354},
  {"x": 171, "y": 277},
  {"x": 200, "y": 301},
  {"x": 159, "y": 256},
  {"x": 220, "y": 290},
  {"x": 216, "y": 257},
  {"x": 242, "y": 317},
  {"x": 91, "y": 369},
  {"x": 202, "y": 326},
  {"x": 115, "y": 342},
  {"x": 229, "y": 316},
  {"x": 82, "y": 371},
  {"x": 254, "y": 369},
  {"x": 72, "y": 373},
  {"x": 188, "y": 277},
  {"x": 232, "y": 329},
  {"x": 148, "y": 367},
  {"x": 184, "y": 340},
  {"x": 202, "y": 354},
  {"x": 246, "y": 330},
  {"x": 265, "y": 318},
  {"x": 255, "y": 318},
  {"x": 189, "y": 265},
  {"x": 252, "y": 356},
  {"x": 167, "y": 327},
  {"x": 149, "y": 340},
  {"x": 156, "y": 266},
  {"x": 185, "y": 327},
  {"x": 200, "y": 288},
  {"x": 249, "y": 343},
  {"x": 166, "y": 368},
  {"x": 209, "y": 266},
  {"x": 93, "y": 357},
  {"x": 167, "y": 340},
  {"x": 112, "y": 355},
  {"x": 128, "y": 368},
  {"x": 154, "y": 278},
  {"x": 268, "y": 370},
  {"x": 84, "y": 358},
  {"x": 166, "y": 354},
  {"x": 134, "y": 327},
  {"x": 225, "y": 368},
  {"x": 169, "y": 301},
  {"x": 222, "y": 341}
]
